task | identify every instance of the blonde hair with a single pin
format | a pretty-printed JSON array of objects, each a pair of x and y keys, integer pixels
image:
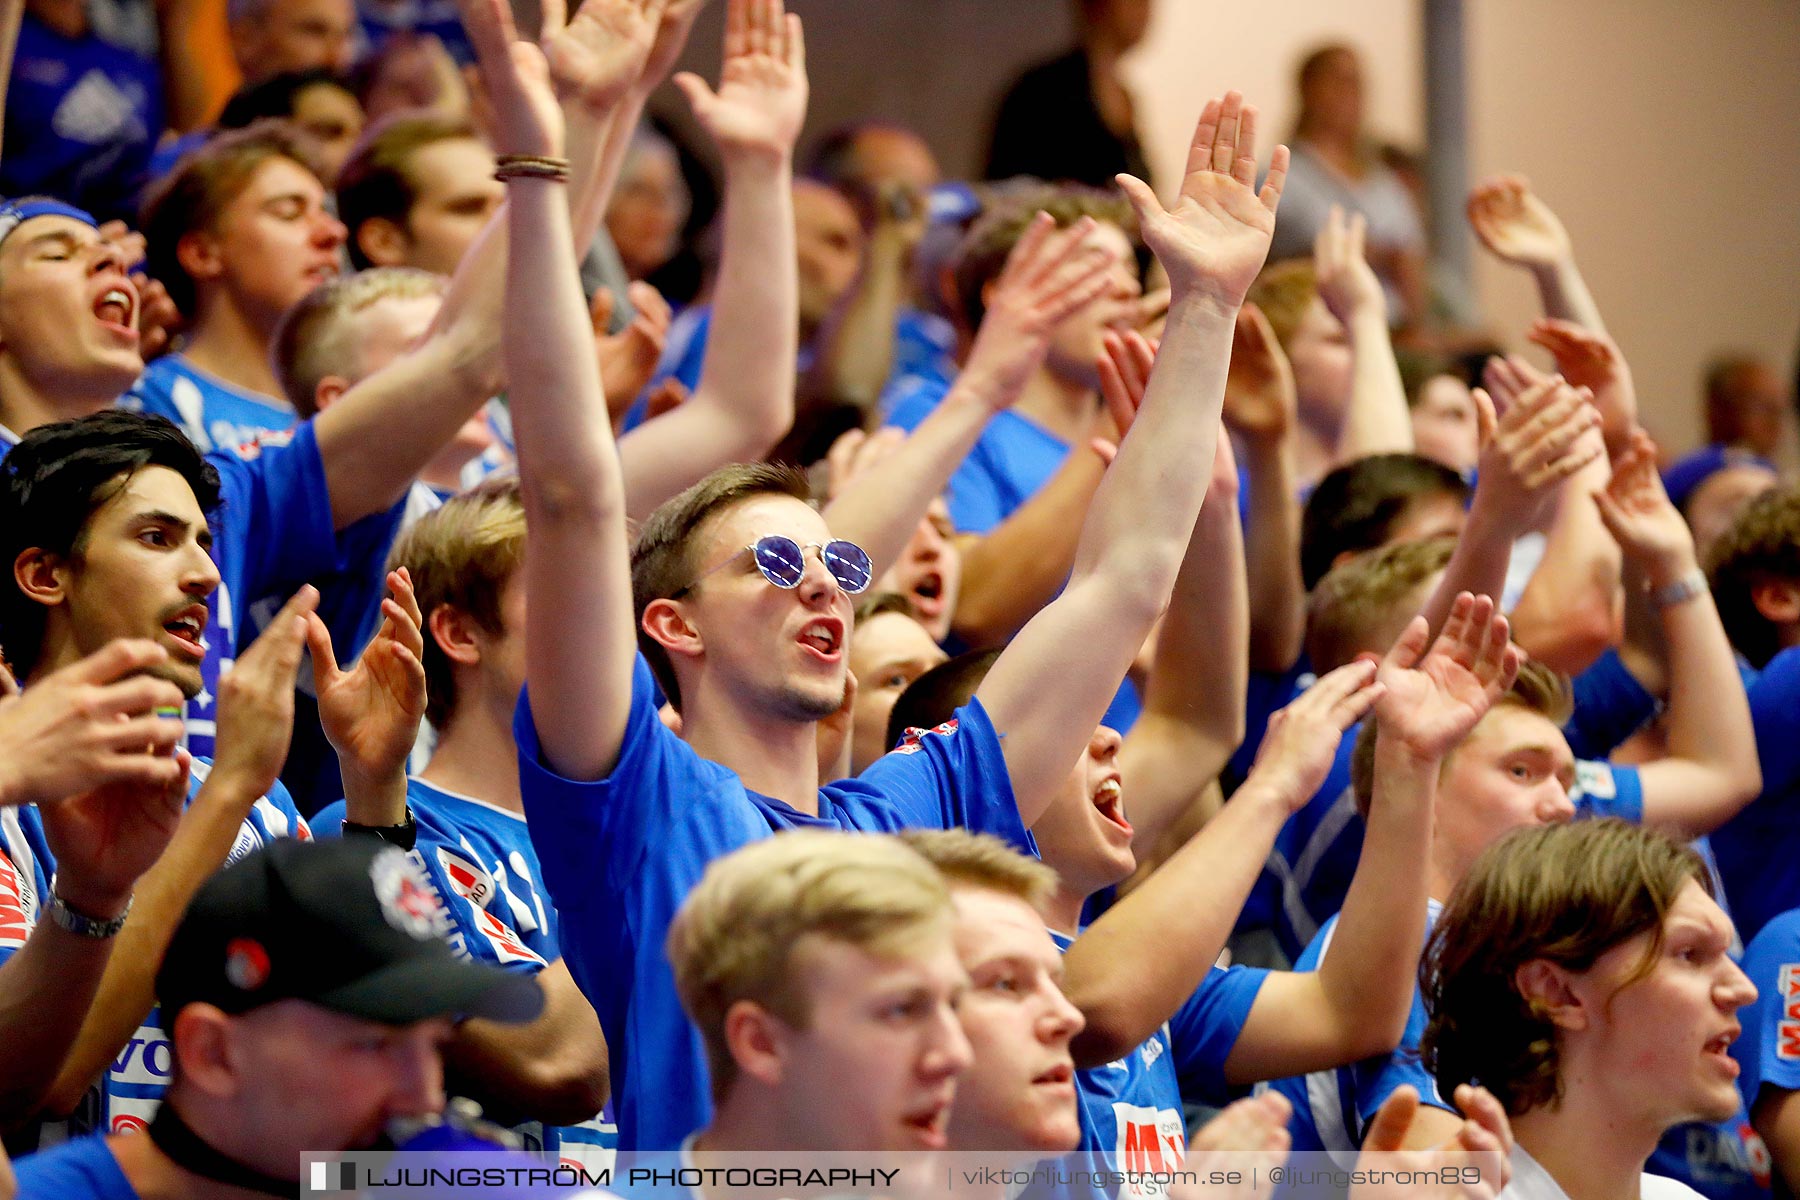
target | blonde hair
[
  {"x": 1362, "y": 605},
  {"x": 462, "y": 555},
  {"x": 1284, "y": 291},
  {"x": 981, "y": 860},
  {"x": 740, "y": 931},
  {"x": 319, "y": 337}
]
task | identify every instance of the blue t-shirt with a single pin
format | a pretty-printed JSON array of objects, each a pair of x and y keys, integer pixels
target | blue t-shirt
[
  {"x": 82, "y": 116},
  {"x": 82, "y": 1169},
  {"x": 214, "y": 414},
  {"x": 1131, "y": 1109},
  {"x": 1758, "y": 856},
  {"x": 480, "y": 862},
  {"x": 1723, "y": 1161},
  {"x": 1010, "y": 463},
  {"x": 620, "y": 854},
  {"x": 1610, "y": 706},
  {"x": 1769, "y": 1048}
]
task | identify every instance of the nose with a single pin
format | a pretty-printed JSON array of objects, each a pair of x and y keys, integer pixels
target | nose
[
  {"x": 418, "y": 1076},
  {"x": 1105, "y": 743},
  {"x": 107, "y": 257},
  {"x": 1061, "y": 1020},
  {"x": 1554, "y": 806},
  {"x": 947, "y": 1052},
  {"x": 202, "y": 575},
  {"x": 1735, "y": 991},
  {"x": 817, "y": 585},
  {"x": 329, "y": 231}
]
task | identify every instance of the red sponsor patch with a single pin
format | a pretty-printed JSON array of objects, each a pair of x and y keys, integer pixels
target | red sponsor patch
[
  {"x": 126, "y": 1123},
  {"x": 14, "y": 928},
  {"x": 474, "y": 884},
  {"x": 910, "y": 740},
  {"x": 246, "y": 964}
]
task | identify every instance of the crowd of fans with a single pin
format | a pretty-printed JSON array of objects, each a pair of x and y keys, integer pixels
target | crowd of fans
[{"x": 1029, "y": 666}]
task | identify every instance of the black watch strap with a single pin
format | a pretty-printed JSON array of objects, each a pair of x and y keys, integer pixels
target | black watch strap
[{"x": 404, "y": 835}]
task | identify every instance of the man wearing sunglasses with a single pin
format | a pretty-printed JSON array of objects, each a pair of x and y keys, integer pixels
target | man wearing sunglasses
[{"x": 740, "y": 598}]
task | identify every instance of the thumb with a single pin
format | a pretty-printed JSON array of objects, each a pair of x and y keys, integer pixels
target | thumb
[
  {"x": 1143, "y": 199},
  {"x": 1388, "y": 1130},
  {"x": 324, "y": 661},
  {"x": 700, "y": 97},
  {"x": 600, "y": 312}
]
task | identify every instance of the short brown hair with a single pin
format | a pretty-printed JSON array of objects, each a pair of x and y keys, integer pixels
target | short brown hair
[
  {"x": 1284, "y": 291},
  {"x": 191, "y": 198},
  {"x": 314, "y": 338},
  {"x": 375, "y": 181},
  {"x": 463, "y": 555},
  {"x": 1565, "y": 894},
  {"x": 981, "y": 860},
  {"x": 1537, "y": 688},
  {"x": 1361, "y": 605},
  {"x": 1762, "y": 546},
  {"x": 982, "y": 254},
  {"x": 739, "y": 933},
  {"x": 661, "y": 561}
]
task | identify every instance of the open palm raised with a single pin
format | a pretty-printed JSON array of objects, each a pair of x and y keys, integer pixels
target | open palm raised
[
  {"x": 1430, "y": 704},
  {"x": 761, "y": 101},
  {"x": 1214, "y": 239}
]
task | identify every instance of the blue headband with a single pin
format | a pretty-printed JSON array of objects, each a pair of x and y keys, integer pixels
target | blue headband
[{"x": 14, "y": 213}]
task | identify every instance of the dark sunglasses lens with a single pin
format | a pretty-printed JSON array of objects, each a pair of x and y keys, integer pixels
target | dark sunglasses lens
[
  {"x": 849, "y": 565},
  {"x": 780, "y": 560}
]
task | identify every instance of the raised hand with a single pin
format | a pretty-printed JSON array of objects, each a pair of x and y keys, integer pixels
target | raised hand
[
  {"x": 515, "y": 77},
  {"x": 1515, "y": 225},
  {"x": 595, "y": 58},
  {"x": 628, "y": 358},
  {"x": 93, "y": 723},
  {"x": 1430, "y": 702},
  {"x": 1642, "y": 519},
  {"x": 672, "y": 31},
  {"x": 1541, "y": 440},
  {"x": 1256, "y": 1126},
  {"x": 1125, "y": 363},
  {"x": 1215, "y": 238},
  {"x": 1050, "y": 275},
  {"x": 1260, "y": 398},
  {"x": 1302, "y": 739},
  {"x": 1347, "y": 283},
  {"x": 256, "y": 700},
  {"x": 371, "y": 712},
  {"x": 761, "y": 101},
  {"x": 1593, "y": 361},
  {"x": 855, "y": 452},
  {"x": 103, "y": 839},
  {"x": 1485, "y": 1134}
]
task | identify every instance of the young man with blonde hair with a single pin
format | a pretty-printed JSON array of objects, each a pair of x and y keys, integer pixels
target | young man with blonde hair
[{"x": 815, "y": 960}]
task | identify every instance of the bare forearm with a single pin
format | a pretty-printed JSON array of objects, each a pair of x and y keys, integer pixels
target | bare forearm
[
  {"x": 1272, "y": 556},
  {"x": 127, "y": 991},
  {"x": 1563, "y": 292},
  {"x": 554, "y": 1069},
  {"x": 859, "y": 342},
  {"x": 1021, "y": 564},
  {"x": 1478, "y": 563},
  {"x": 188, "y": 86},
  {"x": 379, "y": 801},
  {"x": 45, "y": 992},
  {"x": 603, "y": 143},
  {"x": 1568, "y": 613},
  {"x": 1708, "y": 714},
  {"x": 1378, "y": 421},
  {"x": 1368, "y": 976},
  {"x": 1131, "y": 969},
  {"x": 12, "y": 13}
]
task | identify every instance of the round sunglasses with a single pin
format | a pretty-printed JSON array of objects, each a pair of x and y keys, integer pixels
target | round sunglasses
[{"x": 782, "y": 562}]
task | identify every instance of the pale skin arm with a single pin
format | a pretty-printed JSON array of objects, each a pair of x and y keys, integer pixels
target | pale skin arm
[
  {"x": 1711, "y": 770},
  {"x": 859, "y": 337},
  {"x": 256, "y": 720},
  {"x": 1377, "y": 421},
  {"x": 1049, "y": 688},
  {"x": 553, "y": 1069},
  {"x": 1047, "y": 277},
  {"x": 1519, "y": 228},
  {"x": 1131, "y": 969},
  {"x": 12, "y": 12},
  {"x": 1260, "y": 404},
  {"x": 580, "y": 641},
  {"x": 1357, "y": 1002},
  {"x": 744, "y": 401}
]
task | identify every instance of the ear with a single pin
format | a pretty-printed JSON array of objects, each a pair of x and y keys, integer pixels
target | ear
[
  {"x": 203, "y": 1044},
  {"x": 42, "y": 576},
  {"x": 382, "y": 241},
  {"x": 757, "y": 1041},
  {"x": 1548, "y": 989},
  {"x": 328, "y": 392},
  {"x": 198, "y": 254},
  {"x": 1778, "y": 600},
  {"x": 668, "y": 625},
  {"x": 455, "y": 633}
]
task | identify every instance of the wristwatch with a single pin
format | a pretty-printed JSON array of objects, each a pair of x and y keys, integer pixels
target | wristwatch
[
  {"x": 82, "y": 925},
  {"x": 404, "y": 835}
]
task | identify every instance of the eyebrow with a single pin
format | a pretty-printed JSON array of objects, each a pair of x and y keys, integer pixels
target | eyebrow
[
  {"x": 66, "y": 237},
  {"x": 159, "y": 517}
]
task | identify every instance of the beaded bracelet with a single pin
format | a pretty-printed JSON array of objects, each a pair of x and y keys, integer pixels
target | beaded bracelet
[{"x": 530, "y": 166}]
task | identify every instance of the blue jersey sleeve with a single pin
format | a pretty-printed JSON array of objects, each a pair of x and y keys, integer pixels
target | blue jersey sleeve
[
  {"x": 1605, "y": 790},
  {"x": 1610, "y": 706},
  {"x": 273, "y": 529},
  {"x": 1769, "y": 1048},
  {"x": 950, "y": 777},
  {"x": 1205, "y": 1029},
  {"x": 25, "y": 869},
  {"x": 1775, "y": 710}
]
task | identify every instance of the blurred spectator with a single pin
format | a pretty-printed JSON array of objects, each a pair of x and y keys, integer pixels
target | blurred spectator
[
  {"x": 411, "y": 72},
  {"x": 319, "y": 101},
  {"x": 381, "y": 21},
  {"x": 650, "y": 205},
  {"x": 1072, "y": 118},
  {"x": 415, "y": 192},
  {"x": 1745, "y": 406},
  {"x": 1336, "y": 163},
  {"x": 271, "y": 37}
]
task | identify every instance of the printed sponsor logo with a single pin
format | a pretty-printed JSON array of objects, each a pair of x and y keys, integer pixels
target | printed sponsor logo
[
  {"x": 474, "y": 884},
  {"x": 1151, "y": 1140},
  {"x": 911, "y": 741}
]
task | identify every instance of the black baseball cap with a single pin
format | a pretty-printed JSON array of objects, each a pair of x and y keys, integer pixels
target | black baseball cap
[{"x": 350, "y": 924}]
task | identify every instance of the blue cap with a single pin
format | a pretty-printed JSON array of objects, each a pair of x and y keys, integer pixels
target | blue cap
[
  {"x": 1683, "y": 478},
  {"x": 14, "y": 213}
]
